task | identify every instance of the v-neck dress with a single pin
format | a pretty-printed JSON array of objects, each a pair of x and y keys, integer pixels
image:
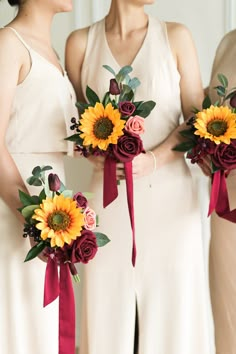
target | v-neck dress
[
  {"x": 223, "y": 232},
  {"x": 166, "y": 292},
  {"x": 42, "y": 105}
]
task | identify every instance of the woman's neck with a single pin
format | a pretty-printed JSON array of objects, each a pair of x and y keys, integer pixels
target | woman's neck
[{"x": 120, "y": 19}]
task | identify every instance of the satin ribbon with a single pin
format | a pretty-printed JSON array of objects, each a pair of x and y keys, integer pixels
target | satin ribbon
[
  {"x": 55, "y": 286},
  {"x": 219, "y": 200},
  {"x": 110, "y": 192}
]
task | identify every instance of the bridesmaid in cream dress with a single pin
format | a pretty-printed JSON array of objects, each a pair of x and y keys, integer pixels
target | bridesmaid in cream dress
[
  {"x": 223, "y": 233},
  {"x": 36, "y": 99},
  {"x": 166, "y": 295}
]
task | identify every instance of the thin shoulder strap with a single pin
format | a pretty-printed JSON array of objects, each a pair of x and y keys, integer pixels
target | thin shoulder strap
[{"x": 19, "y": 37}]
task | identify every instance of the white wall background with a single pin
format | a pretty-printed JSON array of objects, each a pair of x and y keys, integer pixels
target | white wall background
[{"x": 208, "y": 21}]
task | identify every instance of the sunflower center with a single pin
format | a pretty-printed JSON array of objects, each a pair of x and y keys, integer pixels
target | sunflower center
[
  {"x": 103, "y": 128},
  {"x": 59, "y": 220},
  {"x": 217, "y": 127}
]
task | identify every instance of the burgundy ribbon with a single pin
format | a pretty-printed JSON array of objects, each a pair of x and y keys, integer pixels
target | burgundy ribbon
[
  {"x": 219, "y": 200},
  {"x": 110, "y": 192},
  {"x": 62, "y": 287}
]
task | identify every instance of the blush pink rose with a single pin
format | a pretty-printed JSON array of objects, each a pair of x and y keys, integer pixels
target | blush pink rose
[
  {"x": 135, "y": 125},
  {"x": 90, "y": 219}
]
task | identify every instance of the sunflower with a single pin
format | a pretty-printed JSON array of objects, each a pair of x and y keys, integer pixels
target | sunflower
[
  {"x": 101, "y": 126},
  {"x": 60, "y": 220},
  {"x": 217, "y": 124}
]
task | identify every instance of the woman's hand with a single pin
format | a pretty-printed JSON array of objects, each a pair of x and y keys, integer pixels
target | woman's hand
[{"x": 144, "y": 164}]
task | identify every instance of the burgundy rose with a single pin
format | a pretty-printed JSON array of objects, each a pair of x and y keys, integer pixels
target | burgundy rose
[
  {"x": 84, "y": 248},
  {"x": 224, "y": 156},
  {"x": 128, "y": 146},
  {"x": 126, "y": 108},
  {"x": 54, "y": 182},
  {"x": 114, "y": 87},
  {"x": 80, "y": 200},
  {"x": 232, "y": 101}
]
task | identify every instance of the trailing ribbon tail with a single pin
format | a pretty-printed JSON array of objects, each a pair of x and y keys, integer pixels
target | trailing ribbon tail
[
  {"x": 110, "y": 190},
  {"x": 130, "y": 200}
]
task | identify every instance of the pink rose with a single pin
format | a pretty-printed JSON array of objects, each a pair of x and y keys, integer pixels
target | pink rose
[
  {"x": 135, "y": 125},
  {"x": 90, "y": 219}
]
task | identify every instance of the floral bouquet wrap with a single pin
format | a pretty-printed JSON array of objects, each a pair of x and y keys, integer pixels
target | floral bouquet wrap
[
  {"x": 112, "y": 127},
  {"x": 212, "y": 134},
  {"x": 61, "y": 225}
]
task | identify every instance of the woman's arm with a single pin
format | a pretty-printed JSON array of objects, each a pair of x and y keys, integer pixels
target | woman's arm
[
  {"x": 11, "y": 67},
  {"x": 185, "y": 56}
]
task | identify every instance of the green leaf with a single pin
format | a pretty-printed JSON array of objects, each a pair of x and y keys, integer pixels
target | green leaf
[
  {"x": 106, "y": 99},
  {"x": 123, "y": 73},
  {"x": 42, "y": 195},
  {"x": 28, "y": 211},
  {"x": 92, "y": 96},
  {"x": 36, "y": 171},
  {"x": 231, "y": 94},
  {"x": 46, "y": 168},
  {"x": 35, "y": 251},
  {"x": 206, "y": 102},
  {"x": 102, "y": 239},
  {"x": 25, "y": 198},
  {"x": 195, "y": 110},
  {"x": 67, "y": 193},
  {"x": 145, "y": 108},
  {"x": 220, "y": 91},
  {"x": 134, "y": 83},
  {"x": 88, "y": 195},
  {"x": 107, "y": 67},
  {"x": 75, "y": 138},
  {"x": 82, "y": 106},
  {"x": 34, "y": 181},
  {"x": 188, "y": 133},
  {"x": 185, "y": 146},
  {"x": 223, "y": 80}
]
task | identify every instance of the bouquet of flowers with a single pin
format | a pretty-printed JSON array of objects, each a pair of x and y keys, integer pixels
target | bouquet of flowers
[
  {"x": 212, "y": 134},
  {"x": 112, "y": 127},
  {"x": 61, "y": 224}
]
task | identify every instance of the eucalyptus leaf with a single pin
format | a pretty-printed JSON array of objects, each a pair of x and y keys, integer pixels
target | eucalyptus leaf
[
  {"x": 223, "y": 80},
  {"x": 36, "y": 171},
  {"x": 107, "y": 67},
  {"x": 92, "y": 96},
  {"x": 220, "y": 91},
  {"x": 34, "y": 181},
  {"x": 206, "y": 102},
  {"x": 102, "y": 239},
  {"x": 88, "y": 195},
  {"x": 28, "y": 211},
  {"x": 35, "y": 251},
  {"x": 134, "y": 83},
  {"x": 46, "y": 168},
  {"x": 67, "y": 193},
  {"x": 123, "y": 73}
]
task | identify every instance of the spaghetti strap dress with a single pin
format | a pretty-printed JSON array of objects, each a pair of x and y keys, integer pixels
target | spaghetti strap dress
[
  {"x": 42, "y": 104},
  {"x": 165, "y": 296}
]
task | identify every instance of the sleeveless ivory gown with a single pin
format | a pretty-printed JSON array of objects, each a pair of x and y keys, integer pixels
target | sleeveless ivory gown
[
  {"x": 223, "y": 232},
  {"x": 37, "y": 127},
  {"x": 168, "y": 286}
]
